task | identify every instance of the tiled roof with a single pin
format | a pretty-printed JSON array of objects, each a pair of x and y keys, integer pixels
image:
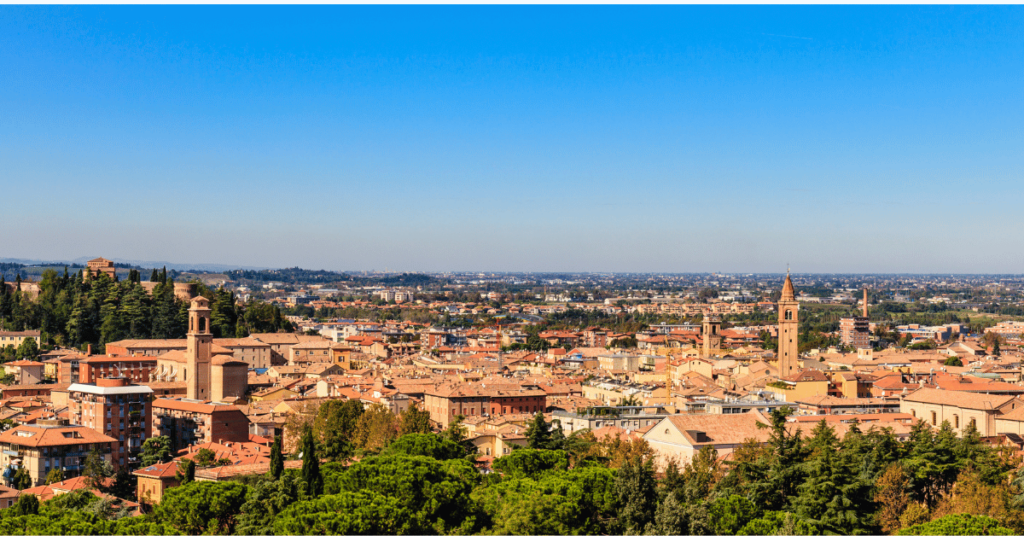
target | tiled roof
[
  {"x": 959, "y": 399},
  {"x": 721, "y": 429},
  {"x": 35, "y": 436}
]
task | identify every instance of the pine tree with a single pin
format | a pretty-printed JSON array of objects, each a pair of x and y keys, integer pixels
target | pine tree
[
  {"x": 638, "y": 496},
  {"x": 135, "y": 312},
  {"x": 112, "y": 323},
  {"x": 538, "y": 432},
  {"x": 311, "y": 465},
  {"x": 276, "y": 459},
  {"x": 223, "y": 314}
]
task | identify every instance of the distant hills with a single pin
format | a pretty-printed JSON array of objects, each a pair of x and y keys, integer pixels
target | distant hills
[{"x": 181, "y": 267}]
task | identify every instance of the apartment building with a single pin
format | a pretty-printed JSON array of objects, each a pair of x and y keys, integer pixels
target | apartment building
[
  {"x": 116, "y": 408},
  {"x": 189, "y": 422},
  {"x": 49, "y": 444}
]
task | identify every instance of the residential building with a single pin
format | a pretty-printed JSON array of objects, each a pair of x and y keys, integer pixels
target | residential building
[
  {"x": 117, "y": 408},
  {"x": 49, "y": 444},
  {"x": 25, "y": 372},
  {"x": 188, "y": 422},
  {"x": 15, "y": 338}
]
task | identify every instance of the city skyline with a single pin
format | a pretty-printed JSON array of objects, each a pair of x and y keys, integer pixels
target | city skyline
[{"x": 671, "y": 139}]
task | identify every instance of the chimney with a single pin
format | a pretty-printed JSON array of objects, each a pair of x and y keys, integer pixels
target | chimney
[
  {"x": 88, "y": 349},
  {"x": 865, "y": 302}
]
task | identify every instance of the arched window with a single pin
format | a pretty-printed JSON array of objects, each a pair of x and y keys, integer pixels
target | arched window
[
  {"x": 789, "y": 315},
  {"x": 202, "y": 324}
]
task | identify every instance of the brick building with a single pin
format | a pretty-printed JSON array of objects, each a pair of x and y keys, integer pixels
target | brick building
[
  {"x": 188, "y": 422},
  {"x": 136, "y": 369},
  {"x": 117, "y": 408},
  {"x": 445, "y": 402}
]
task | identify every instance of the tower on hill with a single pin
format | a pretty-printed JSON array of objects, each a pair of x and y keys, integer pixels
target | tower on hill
[
  {"x": 789, "y": 342},
  {"x": 198, "y": 352}
]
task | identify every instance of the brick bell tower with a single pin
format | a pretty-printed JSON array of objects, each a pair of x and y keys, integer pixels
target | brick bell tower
[
  {"x": 788, "y": 326},
  {"x": 712, "y": 331},
  {"x": 198, "y": 351}
]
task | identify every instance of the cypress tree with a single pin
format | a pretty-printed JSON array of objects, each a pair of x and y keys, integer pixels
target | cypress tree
[
  {"x": 311, "y": 465},
  {"x": 154, "y": 277},
  {"x": 276, "y": 459},
  {"x": 186, "y": 471}
]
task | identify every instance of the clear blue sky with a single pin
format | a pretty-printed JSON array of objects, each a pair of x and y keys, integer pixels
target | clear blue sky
[{"x": 737, "y": 139}]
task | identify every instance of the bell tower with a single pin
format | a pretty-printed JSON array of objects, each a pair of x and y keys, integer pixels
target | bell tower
[
  {"x": 198, "y": 350},
  {"x": 712, "y": 334},
  {"x": 788, "y": 326}
]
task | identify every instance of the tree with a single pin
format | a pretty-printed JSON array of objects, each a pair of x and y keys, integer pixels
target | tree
[
  {"x": 95, "y": 470},
  {"x": 833, "y": 498},
  {"x": 335, "y": 425},
  {"x": 314, "y": 483},
  {"x": 637, "y": 495},
  {"x": 155, "y": 450},
  {"x": 202, "y": 507},
  {"x": 265, "y": 501},
  {"x": 28, "y": 349},
  {"x": 55, "y": 475},
  {"x": 124, "y": 484},
  {"x": 953, "y": 361},
  {"x": 957, "y": 524},
  {"x": 431, "y": 445},
  {"x": 276, "y": 458},
  {"x": 362, "y": 512},
  {"x": 892, "y": 498},
  {"x": 730, "y": 514},
  {"x": 186, "y": 471},
  {"x": 539, "y": 434},
  {"x": 530, "y": 463},
  {"x": 204, "y": 457},
  {"x": 436, "y": 494},
  {"x": 413, "y": 421},
  {"x": 376, "y": 428},
  {"x": 21, "y": 479}
]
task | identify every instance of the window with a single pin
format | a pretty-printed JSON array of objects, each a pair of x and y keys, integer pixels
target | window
[
  {"x": 956, "y": 421},
  {"x": 934, "y": 421}
]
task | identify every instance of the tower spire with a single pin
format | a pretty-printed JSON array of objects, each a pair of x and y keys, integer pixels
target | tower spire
[{"x": 787, "y": 288}]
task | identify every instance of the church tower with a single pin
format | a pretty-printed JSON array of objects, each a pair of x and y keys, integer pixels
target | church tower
[
  {"x": 712, "y": 334},
  {"x": 788, "y": 325},
  {"x": 198, "y": 351}
]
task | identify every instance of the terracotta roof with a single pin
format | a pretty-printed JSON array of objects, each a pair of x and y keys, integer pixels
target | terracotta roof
[
  {"x": 35, "y": 436},
  {"x": 959, "y": 399},
  {"x": 160, "y": 470},
  {"x": 193, "y": 406},
  {"x": 23, "y": 363},
  {"x": 721, "y": 429}
]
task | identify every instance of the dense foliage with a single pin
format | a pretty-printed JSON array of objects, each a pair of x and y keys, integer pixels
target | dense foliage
[
  {"x": 866, "y": 482},
  {"x": 75, "y": 311}
]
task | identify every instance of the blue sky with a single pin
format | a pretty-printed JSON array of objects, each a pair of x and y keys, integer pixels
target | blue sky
[{"x": 546, "y": 138}]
